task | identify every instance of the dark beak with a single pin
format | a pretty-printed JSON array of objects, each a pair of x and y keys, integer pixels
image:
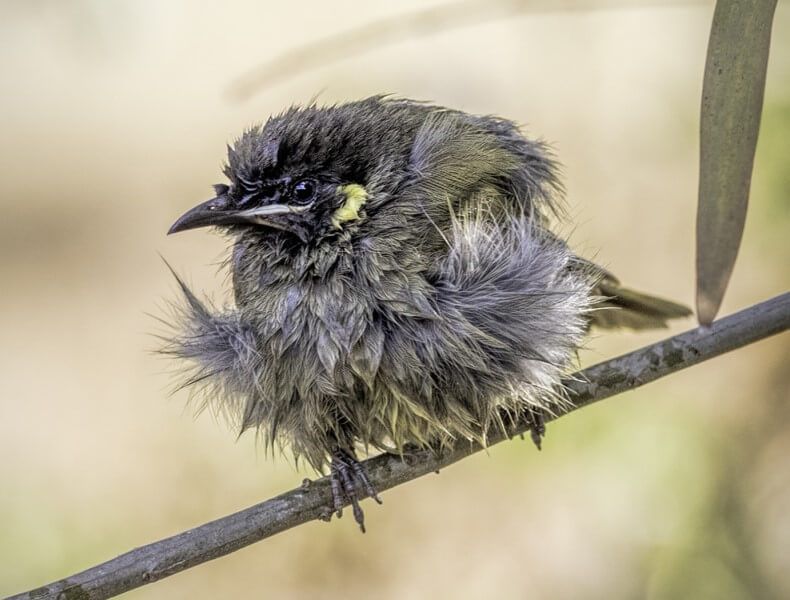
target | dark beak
[{"x": 218, "y": 212}]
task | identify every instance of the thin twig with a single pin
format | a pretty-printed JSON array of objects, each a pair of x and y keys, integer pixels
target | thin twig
[
  {"x": 374, "y": 35},
  {"x": 223, "y": 536}
]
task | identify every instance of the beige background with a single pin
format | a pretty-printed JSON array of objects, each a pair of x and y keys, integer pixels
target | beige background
[{"x": 114, "y": 120}]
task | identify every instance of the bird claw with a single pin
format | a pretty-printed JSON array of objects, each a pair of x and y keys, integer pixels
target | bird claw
[
  {"x": 537, "y": 425},
  {"x": 346, "y": 472}
]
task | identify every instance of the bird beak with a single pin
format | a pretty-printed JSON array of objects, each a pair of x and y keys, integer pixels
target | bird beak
[{"x": 218, "y": 211}]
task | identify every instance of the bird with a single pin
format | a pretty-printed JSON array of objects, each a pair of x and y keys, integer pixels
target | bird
[{"x": 397, "y": 283}]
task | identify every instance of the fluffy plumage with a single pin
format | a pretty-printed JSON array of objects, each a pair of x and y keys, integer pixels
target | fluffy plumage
[{"x": 439, "y": 303}]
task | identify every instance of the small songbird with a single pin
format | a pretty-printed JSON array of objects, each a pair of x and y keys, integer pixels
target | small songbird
[{"x": 395, "y": 282}]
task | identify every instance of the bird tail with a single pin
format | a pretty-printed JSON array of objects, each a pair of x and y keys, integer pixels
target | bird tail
[{"x": 623, "y": 307}]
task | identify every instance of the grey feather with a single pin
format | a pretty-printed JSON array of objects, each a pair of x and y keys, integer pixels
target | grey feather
[{"x": 444, "y": 305}]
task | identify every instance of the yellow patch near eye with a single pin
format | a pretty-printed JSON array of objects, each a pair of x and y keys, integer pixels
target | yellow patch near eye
[{"x": 355, "y": 197}]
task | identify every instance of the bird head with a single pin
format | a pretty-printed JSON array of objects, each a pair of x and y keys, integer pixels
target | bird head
[{"x": 306, "y": 171}]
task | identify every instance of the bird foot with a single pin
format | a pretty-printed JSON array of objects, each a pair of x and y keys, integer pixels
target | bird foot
[
  {"x": 346, "y": 474},
  {"x": 537, "y": 425}
]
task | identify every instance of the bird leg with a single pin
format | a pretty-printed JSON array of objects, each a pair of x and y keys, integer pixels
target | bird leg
[
  {"x": 537, "y": 425},
  {"x": 346, "y": 473}
]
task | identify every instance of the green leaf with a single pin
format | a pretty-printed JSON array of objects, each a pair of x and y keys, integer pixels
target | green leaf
[{"x": 732, "y": 100}]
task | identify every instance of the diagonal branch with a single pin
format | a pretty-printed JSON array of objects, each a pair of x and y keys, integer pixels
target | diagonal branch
[
  {"x": 374, "y": 35},
  {"x": 223, "y": 536}
]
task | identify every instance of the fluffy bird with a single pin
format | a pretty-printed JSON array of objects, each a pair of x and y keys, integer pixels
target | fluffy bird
[{"x": 395, "y": 282}]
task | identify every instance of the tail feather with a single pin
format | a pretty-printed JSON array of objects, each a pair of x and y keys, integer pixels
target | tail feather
[{"x": 623, "y": 307}]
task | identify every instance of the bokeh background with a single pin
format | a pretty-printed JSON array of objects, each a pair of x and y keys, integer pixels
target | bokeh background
[{"x": 114, "y": 120}]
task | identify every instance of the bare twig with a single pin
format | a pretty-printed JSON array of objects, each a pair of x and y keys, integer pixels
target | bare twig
[
  {"x": 223, "y": 536},
  {"x": 429, "y": 21}
]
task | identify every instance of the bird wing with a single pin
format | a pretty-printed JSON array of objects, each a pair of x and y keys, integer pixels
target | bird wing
[{"x": 484, "y": 169}]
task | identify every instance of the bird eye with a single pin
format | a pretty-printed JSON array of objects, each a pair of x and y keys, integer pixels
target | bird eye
[{"x": 303, "y": 191}]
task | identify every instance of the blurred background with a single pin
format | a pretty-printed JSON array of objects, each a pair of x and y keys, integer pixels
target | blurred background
[{"x": 114, "y": 120}]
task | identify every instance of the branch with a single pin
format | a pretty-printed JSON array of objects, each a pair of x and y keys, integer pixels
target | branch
[
  {"x": 374, "y": 35},
  {"x": 312, "y": 501}
]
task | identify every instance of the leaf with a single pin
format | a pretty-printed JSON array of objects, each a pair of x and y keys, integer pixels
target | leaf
[{"x": 732, "y": 100}]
